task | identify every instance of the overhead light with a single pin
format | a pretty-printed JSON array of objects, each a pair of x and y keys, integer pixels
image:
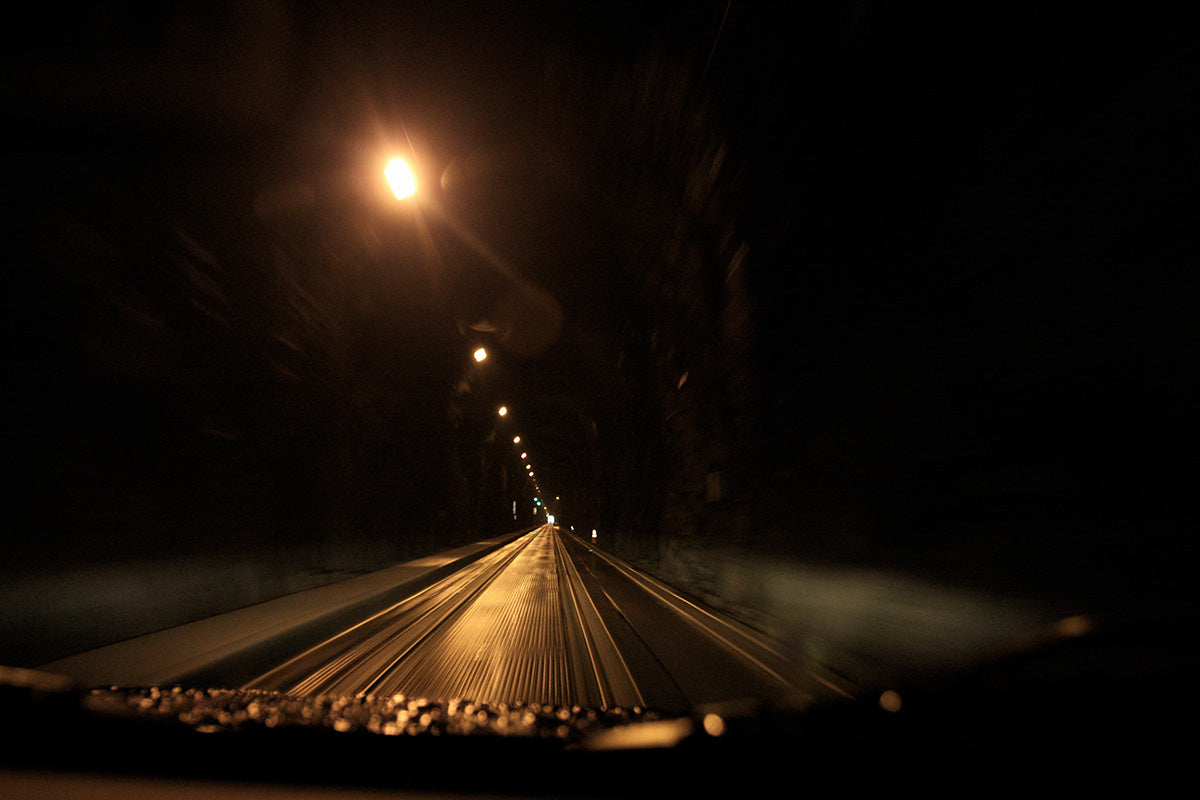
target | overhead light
[{"x": 400, "y": 178}]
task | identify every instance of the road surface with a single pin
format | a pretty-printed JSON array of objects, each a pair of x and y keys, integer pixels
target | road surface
[{"x": 548, "y": 618}]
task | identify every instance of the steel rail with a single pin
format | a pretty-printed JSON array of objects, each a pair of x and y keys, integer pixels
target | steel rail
[
  {"x": 722, "y": 630},
  {"x": 609, "y": 667},
  {"x": 394, "y": 620},
  {"x": 456, "y": 602}
]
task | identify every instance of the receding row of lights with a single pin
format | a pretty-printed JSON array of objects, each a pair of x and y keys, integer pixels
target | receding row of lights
[{"x": 480, "y": 354}]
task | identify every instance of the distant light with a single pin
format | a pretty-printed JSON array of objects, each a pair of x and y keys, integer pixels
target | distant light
[
  {"x": 890, "y": 701},
  {"x": 480, "y": 354},
  {"x": 593, "y": 534},
  {"x": 524, "y": 455},
  {"x": 400, "y": 178},
  {"x": 714, "y": 725},
  {"x": 502, "y": 410},
  {"x": 516, "y": 440}
]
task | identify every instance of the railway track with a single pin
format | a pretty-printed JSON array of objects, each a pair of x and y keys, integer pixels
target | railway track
[
  {"x": 547, "y": 619},
  {"x": 516, "y": 625}
]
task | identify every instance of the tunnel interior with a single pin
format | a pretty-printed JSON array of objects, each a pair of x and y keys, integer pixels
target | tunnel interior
[{"x": 840, "y": 285}]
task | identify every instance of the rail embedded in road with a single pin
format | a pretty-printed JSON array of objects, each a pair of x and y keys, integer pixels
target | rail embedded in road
[{"x": 547, "y": 619}]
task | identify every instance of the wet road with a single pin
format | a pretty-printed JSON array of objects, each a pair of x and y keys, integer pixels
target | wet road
[{"x": 550, "y": 619}]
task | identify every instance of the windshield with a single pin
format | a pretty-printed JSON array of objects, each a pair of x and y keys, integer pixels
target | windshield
[{"x": 605, "y": 375}]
